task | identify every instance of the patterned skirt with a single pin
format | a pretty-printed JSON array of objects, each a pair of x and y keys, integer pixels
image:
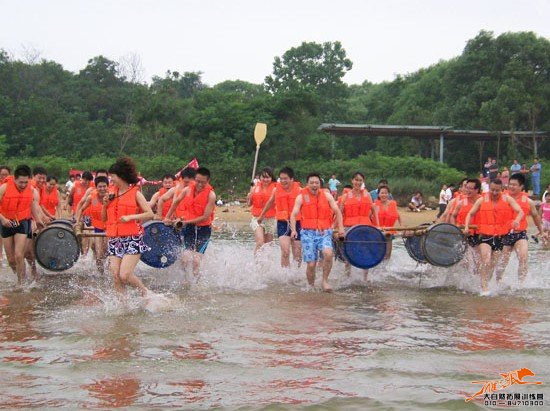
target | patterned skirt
[{"x": 131, "y": 245}]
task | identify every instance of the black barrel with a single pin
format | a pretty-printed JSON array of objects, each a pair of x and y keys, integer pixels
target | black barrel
[{"x": 57, "y": 247}]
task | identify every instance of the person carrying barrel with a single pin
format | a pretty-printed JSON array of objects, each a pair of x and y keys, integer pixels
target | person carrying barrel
[
  {"x": 93, "y": 204},
  {"x": 19, "y": 203},
  {"x": 200, "y": 205},
  {"x": 388, "y": 215},
  {"x": 358, "y": 208},
  {"x": 258, "y": 196},
  {"x": 123, "y": 211},
  {"x": 317, "y": 208},
  {"x": 496, "y": 219},
  {"x": 284, "y": 197},
  {"x": 517, "y": 240}
]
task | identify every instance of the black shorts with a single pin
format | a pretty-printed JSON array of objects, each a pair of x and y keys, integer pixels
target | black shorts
[
  {"x": 511, "y": 239},
  {"x": 196, "y": 238},
  {"x": 473, "y": 240},
  {"x": 283, "y": 229},
  {"x": 24, "y": 227},
  {"x": 494, "y": 241}
]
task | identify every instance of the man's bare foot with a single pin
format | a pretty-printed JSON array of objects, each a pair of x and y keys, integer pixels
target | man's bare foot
[{"x": 326, "y": 287}]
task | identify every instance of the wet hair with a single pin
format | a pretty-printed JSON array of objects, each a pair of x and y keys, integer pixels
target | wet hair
[
  {"x": 22, "y": 171},
  {"x": 86, "y": 175},
  {"x": 203, "y": 171},
  {"x": 383, "y": 182},
  {"x": 358, "y": 173},
  {"x": 5, "y": 168},
  {"x": 50, "y": 178},
  {"x": 101, "y": 179},
  {"x": 168, "y": 176},
  {"x": 125, "y": 169},
  {"x": 101, "y": 171},
  {"x": 383, "y": 187},
  {"x": 39, "y": 170},
  {"x": 497, "y": 181},
  {"x": 189, "y": 173},
  {"x": 288, "y": 171},
  {"x": 520, "y": 178},
  {"x": 314, "y": 175},
  {"x": 477, "y": 183},
  {"x": 268, "y": 172}
]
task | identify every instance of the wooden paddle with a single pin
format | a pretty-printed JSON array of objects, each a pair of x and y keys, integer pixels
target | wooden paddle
[{"x": 259, "y": 136}]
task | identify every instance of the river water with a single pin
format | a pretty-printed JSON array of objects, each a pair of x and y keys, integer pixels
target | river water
[{"x": 249, "y": 335}]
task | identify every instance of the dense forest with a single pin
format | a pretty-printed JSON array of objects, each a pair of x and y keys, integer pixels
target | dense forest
[{"x": 88, "y": 118}]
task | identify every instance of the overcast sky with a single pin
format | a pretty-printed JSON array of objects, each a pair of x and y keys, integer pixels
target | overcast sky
[{"x": 238, "y": 39}]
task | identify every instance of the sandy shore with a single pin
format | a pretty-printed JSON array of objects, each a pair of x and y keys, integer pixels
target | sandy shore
[{"x": 241, "y": 215}]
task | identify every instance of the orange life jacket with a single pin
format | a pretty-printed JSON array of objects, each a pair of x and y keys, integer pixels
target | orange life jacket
[
  {"x": 494, "y": 219},
  {"x": 197, "y": 203},
  {"x": 50, "y": 200},
  {"x": 523, "y": 201},
  {"x": 260, "y": 197},
  {"x": 316, "y": 211},
  {"x": 16, "y": 205},
  {"x": 122, "y": 205},
  {"x": 182, "y": 210},
  {"x": 284, "y": 201},
  {"x": 387, "y": 216},
  {"x": 167, "y": 204},
  {"x": 465, "y": 207},
  {"x": 357, "y": 211},
  {"x": 94, "y": 209},
  {"x": 78, "y": 193}
]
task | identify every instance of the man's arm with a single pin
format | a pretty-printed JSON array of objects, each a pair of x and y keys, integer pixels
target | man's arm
[
  {"x": 334, "y": 206},
  {"x": 295, "y": 211}
]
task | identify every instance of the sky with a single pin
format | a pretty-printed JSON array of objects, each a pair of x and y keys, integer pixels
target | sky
[{"x": 239, "y": 39}]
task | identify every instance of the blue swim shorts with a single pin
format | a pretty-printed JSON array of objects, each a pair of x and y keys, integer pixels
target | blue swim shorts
[{"x": 313, "y": 243}]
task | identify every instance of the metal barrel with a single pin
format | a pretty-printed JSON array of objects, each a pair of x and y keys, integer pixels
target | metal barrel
[{"x": 56, "y": 247}]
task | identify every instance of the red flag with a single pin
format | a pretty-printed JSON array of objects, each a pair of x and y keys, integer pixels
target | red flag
[
  {"x": 74, "y": 172},
  {"x": 192, "y": 164}
]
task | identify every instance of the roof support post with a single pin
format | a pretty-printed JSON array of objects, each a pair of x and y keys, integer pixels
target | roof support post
[{"x": 441, "y": 143}]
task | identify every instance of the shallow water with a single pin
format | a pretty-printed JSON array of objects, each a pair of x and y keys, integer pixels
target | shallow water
[{"x": 249, "y": 335}]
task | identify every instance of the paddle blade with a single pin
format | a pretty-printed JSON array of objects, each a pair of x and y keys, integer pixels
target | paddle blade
[{"x": 260, "y": 132}]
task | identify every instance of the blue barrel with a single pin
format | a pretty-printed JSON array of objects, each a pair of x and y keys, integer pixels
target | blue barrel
[
  {"x": 364, "y": 246},
  {"x": 164, "y": 242}
]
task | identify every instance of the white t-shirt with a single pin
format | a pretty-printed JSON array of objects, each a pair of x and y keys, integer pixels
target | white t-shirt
[
  {"x": 69, "y": 186},
  {"x": 443, "y": 197}
]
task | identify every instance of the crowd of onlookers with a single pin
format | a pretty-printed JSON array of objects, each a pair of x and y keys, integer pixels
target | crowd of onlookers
[{"x": 492, "y": 171}]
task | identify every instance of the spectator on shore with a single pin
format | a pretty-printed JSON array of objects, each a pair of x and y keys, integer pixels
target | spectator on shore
[
  {"x": 514, "y": 168},
  {"x": 333, "y": 184},
  {"x": 486, "y": 167},
  {"x": 505, "y": 176},
  {"x": 417, "y": 202},
  {"x": 444, "y": 197},
  {"x": 535, "y": 176},
  {"x": 493, "y": 170}
]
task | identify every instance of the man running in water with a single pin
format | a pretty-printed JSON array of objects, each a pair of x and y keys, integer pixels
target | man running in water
[
  {"x": 317, "y": 208},
  {"x": 496, "y": 218},
  {"x": 517, "y": 240}
]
